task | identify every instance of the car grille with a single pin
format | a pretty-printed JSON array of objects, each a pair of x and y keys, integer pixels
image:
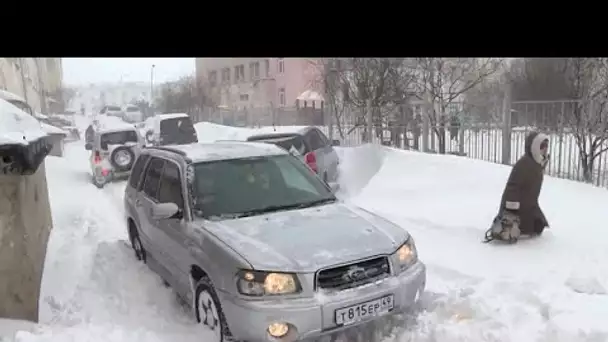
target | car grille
[{"x": 353, "y": 275}]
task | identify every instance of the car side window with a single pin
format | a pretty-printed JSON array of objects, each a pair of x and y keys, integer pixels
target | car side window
[
  {"x": 170, "y": 190},
  {"x": 138, "y": 170},
  {"x": 152, "y": 180},
  {"x": 314, "y": 140}
]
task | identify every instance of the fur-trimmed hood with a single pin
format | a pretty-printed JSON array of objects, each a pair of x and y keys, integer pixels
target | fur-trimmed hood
[{"x": 533, "y": 142}]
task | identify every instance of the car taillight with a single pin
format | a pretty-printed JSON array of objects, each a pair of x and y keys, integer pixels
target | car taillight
[
  {"x": 97, "y": 158},
  {"x": 311, "y": 160}
]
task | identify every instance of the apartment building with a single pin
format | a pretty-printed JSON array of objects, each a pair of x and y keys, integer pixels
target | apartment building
[
  {"x": 239, "y": 83},
  {"x": 37, "y": 80}
]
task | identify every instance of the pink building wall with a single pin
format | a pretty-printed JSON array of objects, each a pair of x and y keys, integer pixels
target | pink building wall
[{"x": 300, "y": 74}]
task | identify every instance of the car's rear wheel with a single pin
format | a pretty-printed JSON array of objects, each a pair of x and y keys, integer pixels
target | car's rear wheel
[{"x": 209, "y": 312}]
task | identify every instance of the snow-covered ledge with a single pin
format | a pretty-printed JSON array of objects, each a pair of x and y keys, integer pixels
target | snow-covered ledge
[{"x": 25, "y": 214}]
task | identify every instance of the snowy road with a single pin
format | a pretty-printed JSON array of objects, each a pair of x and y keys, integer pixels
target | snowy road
[{"x": 551, "y": 289}]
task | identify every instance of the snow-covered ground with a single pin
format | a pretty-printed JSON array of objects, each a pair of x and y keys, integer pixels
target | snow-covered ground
[{"x": 551, "y": 289}]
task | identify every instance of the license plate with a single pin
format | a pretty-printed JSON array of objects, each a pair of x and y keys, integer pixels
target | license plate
[{"x": 356, "y": 313}]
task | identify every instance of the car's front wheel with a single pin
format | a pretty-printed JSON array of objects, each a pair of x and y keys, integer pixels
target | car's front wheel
[
  {"x": 209, "y": 312},
  {"x": 138, "y": 248}
]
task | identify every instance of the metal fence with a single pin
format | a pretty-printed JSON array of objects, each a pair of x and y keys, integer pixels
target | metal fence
[{"x": 497, "y": 137}]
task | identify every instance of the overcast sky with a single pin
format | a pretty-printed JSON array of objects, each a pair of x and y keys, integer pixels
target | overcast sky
[{"x": 83, "y": 71}]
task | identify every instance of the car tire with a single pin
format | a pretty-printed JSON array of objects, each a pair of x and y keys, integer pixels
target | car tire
[
  {"x": 138, "y": 247},
  {"x": 209, "y": 312},
  {"x": 114, "y": 155}
]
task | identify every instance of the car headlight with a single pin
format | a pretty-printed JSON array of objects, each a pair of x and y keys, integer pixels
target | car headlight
[
  {"x": 258, "y": 283},
  {"x": 406, "y": 255}
]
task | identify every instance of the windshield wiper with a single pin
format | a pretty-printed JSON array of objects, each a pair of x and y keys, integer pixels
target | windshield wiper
[
  {"x": 273, "y": 208},
  {"x": 317, "y": 202}
]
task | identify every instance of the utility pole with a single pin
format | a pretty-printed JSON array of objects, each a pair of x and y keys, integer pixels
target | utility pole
[
  {"x": 23, "y": 81},
  {"x": 152, "y": 85}
]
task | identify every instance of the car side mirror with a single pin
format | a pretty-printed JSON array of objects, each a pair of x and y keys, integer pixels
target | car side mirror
[
  {"x": 88, "y": 146},
  {"x": 335, "y": 142},
  {"x": 161, "y": 211}
]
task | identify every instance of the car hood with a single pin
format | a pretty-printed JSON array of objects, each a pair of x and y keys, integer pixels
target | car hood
[{"x": 309, "y": 239}]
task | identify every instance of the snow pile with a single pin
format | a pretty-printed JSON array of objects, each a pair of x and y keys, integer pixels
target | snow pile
[
  {"x": 366, "y": 160},
  {"x": 52, "y": 129},
  {"x": 18, "y": 127},
  {"x": 546, "y": 289}
]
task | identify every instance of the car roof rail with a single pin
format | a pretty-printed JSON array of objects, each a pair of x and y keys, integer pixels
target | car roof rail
[{"x": 169, "y": 149}]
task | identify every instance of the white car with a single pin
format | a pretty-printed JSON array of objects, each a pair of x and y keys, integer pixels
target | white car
[
  {"x": 114, "y": 146},
  {"x": 133, "y": 114},
  {"x": 111, "y": 111}
]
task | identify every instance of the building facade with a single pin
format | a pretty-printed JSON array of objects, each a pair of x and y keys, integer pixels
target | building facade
[
  {"x": 37, "y": 80},
  {"x": 239, "y": 83}
]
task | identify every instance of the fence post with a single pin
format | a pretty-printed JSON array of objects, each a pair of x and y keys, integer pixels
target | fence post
[
  {"x": 461, "y": 137},
  {"x": 506, "y": 126},
  {"x": 425, "y": 126},
  {"x": 370, "y": 125}
]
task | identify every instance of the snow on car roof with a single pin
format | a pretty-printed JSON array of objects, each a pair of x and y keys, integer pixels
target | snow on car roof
[
  {"x": 224, "y": 150},
  {"x": 108, "y": 124},
  {"x": 171, "y": 115},
  {"x": 18, "y": 127}
]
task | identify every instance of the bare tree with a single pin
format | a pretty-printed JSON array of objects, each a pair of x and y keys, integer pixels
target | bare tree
[
  {"x": 443, "y": 82},
  {"x": 589, "y": 120},
  {"x": 187, "y": 95}
]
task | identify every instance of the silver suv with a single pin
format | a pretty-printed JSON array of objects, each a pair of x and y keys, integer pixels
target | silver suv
[{"x": 260, "y": 247}]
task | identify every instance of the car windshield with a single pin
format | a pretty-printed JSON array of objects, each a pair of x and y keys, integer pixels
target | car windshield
[
  {"x": 252, "y": 186},
  {"x": 113, "y": 108},
  {"x": 118, "y": 138},
  {"x": 132, "y": 109}
]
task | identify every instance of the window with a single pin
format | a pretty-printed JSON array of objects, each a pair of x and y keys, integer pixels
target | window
[
  {"x": 254, "y": 70},
  {"x": 170, "y": 190},
  {"x": 282, "y": 97},
  {"x": 314, "y": 140},
  {"x": 177, "y": 131},
  {"x": 244, "y": 97},
  {"x": 212, "y": 78},
  {"x": 155, "y": 167},
  {"x": 226, "y": 75},
  {"x": 267, "y": 67},
  {"x": 138, "y": 170},
  {"x": 239, "y": 73},
  {"x": 118, "y": 138},
  {"x": 281, "y": 65}
]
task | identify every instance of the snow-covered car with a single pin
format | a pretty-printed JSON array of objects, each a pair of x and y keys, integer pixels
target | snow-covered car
[
  {"x": 132, "y": 114},
  {"x": 114, "y": 146},
  {"x": 111, "y": 111},
  {"x": 310, "y": 145},
  {"x": 169, "y": 129},
  {"x": 260, "y": 247}
]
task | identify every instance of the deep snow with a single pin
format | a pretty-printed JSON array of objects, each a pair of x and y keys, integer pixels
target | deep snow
[{"x": 550, "y": 289}]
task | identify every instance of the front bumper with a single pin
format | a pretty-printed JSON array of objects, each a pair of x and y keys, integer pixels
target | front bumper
[{"x": 314, "y": 317}]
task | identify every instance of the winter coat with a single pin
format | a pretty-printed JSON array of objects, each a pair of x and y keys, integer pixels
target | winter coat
[{"x": 523, "y": 186}]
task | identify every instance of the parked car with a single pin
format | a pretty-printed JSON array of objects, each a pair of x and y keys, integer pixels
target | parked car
[
  {"x": 114, "y": 147},
  {"x": 133, "y": 114},
  {"x": 169, "y": 129},
  {"x": 310, "y": 145},
  {"x": 260, "y": 247},
  {"x": 111, "y": 111}
]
